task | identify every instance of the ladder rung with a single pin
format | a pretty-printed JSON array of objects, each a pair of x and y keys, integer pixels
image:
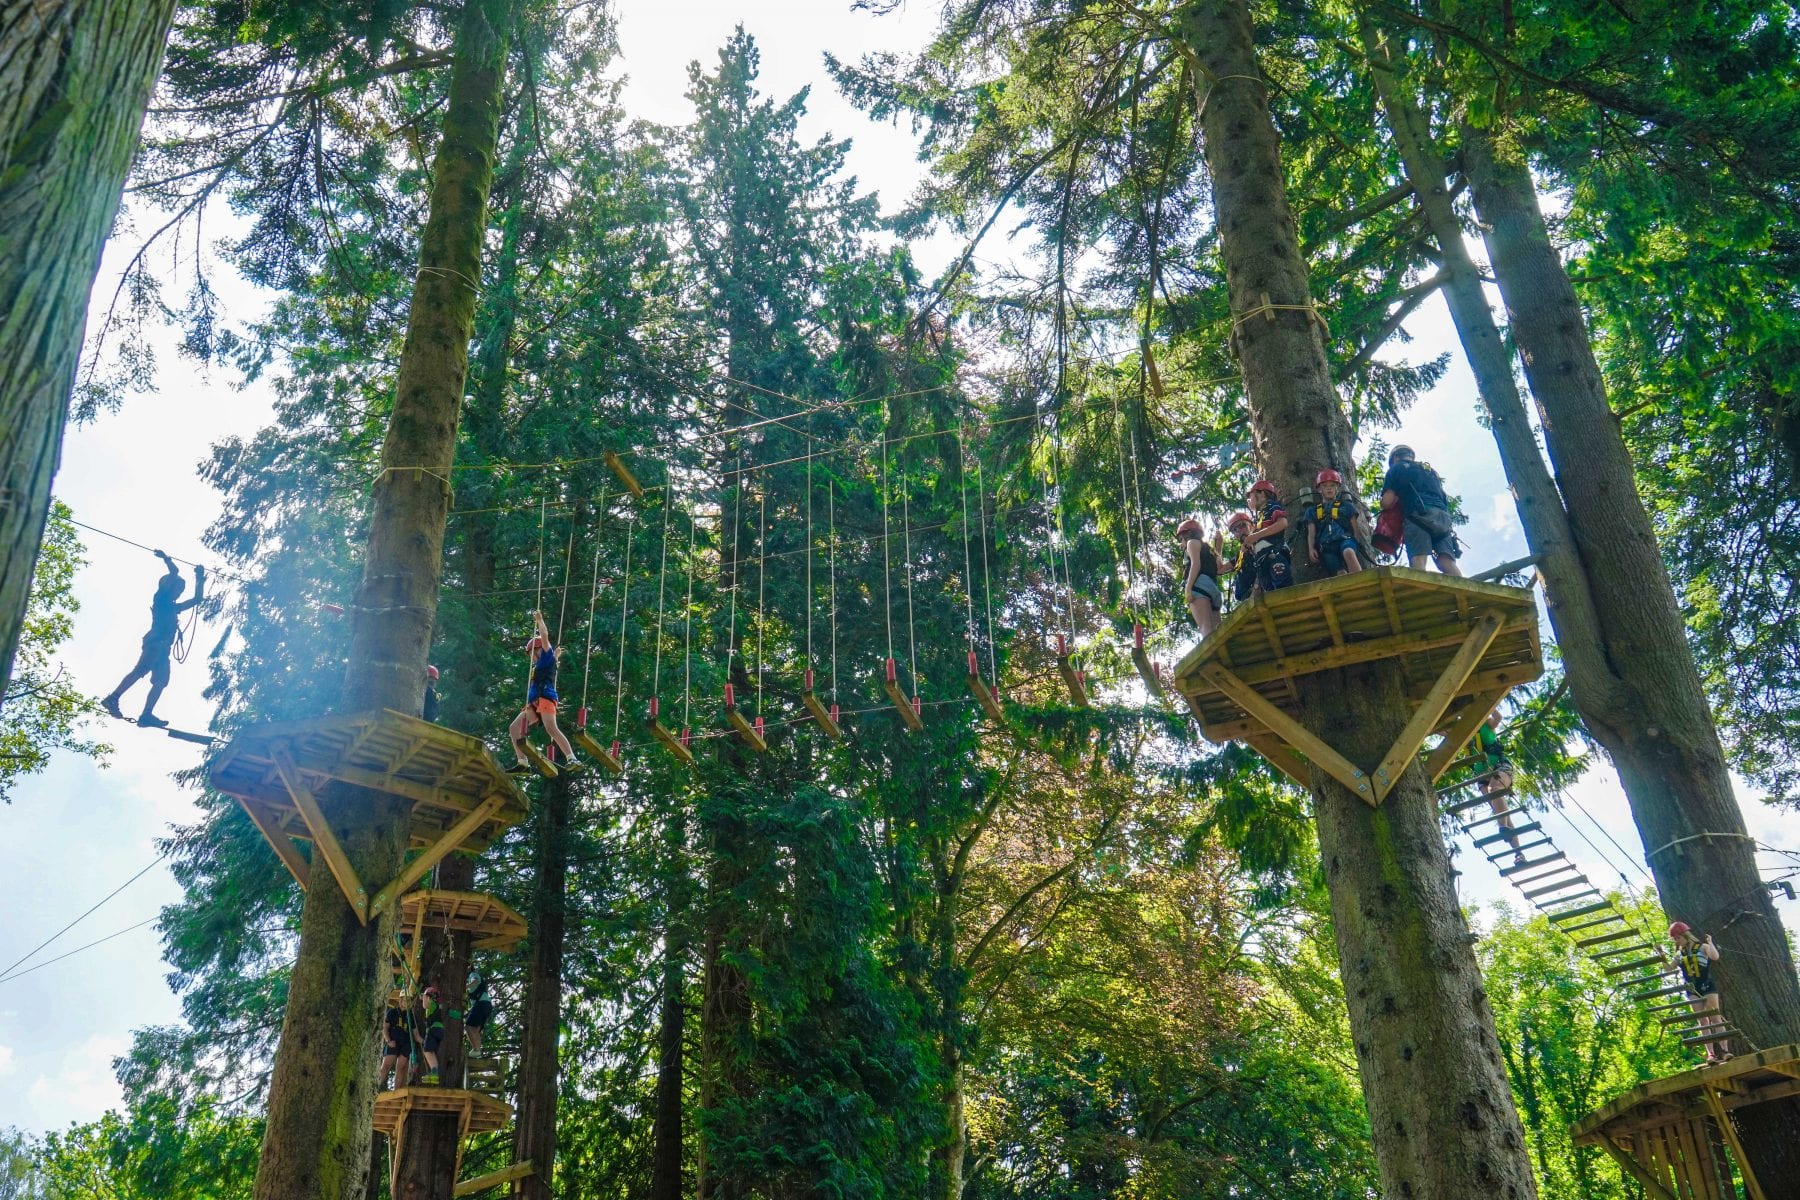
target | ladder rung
[
  {"x": 1565, "y": 875},
  {"x": 1583, "y": 911},
  {"x": 1640, "y": 997},
  {"x": 1517, "y": 831},
  {"x": 1500, "y": 853},
  {"x": 1633, "y": 965},
  {"x": 1581, "y": 895},
  {"x": 1602, "y": 938},
  {"x": 1632, "y": 949},
  {"x": 1719, "y": 1034},
  {"x": 1527, "y": 866},
  {"x": 1606, "y": 920},
  {"x": 1465, "y": 805},
  {"x": 1686, "y": 1018},
  {"x": 1684, "y": 1005},
  {"x": 1507, "y": 812}
]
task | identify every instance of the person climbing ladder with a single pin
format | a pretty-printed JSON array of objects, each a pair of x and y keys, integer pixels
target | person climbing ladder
[
  {"x": 1496, "y": 779},
  {"x": 159, "y": 644},
  {"x": 540, "y": 700},
  {"x": 481, "y": 1010}
]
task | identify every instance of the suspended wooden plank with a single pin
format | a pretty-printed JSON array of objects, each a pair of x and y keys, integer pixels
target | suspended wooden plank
[
  {"x": 538, "y": 762},
  {"x": 750, "y": 731},
  {"x": 673, "y": 743},
  {"x": 607, "y": 759},
  {"x": 827, "y": 718},
  {"x": 1071, "y": 676},
  {"x": 984, "y": 695},
  {"x": 1140, "y": 658},
  {"x": 618, "y": 467},
  {"x": 908, "y": 708}
]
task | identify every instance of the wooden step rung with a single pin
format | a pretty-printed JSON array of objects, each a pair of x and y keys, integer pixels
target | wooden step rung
[
  {"x": 603, "y": 757},
  {"x": 1634, "y": 948},
  {"x": 1516, "y": 831},
  {"x": 1633, "y": 965},
  {"x": 1640, "y": 997},
  {"x": 1583, "y": 911},
  {"x": 1719, "y": 1033},
  {"x": 1685, "y": 1006},
  {"x": 1527, "y": 866},
  {"x": 1146, "y": 670},
  {"x": 1583, "y": 894},
  {"x": 1501, "y": 852},
  {"x": 821, "y": 714},
  {"x": 1603, "y": 938},
  {"x": 907, "y": 707},
  {"x": 1469, "y": 826},
  {"x": 746, "y": 729},
  {"x": 538, "y": 762},
  {"x": 1488, "y": 798},
  {"x": 1606, "y": 920},
  {"x": 984, "y": 696},
  {"x": 671, "y": 741},
  {"x": 1072, "y": 680}
]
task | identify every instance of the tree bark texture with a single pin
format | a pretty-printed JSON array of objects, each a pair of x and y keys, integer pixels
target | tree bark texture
[
  {"x": 1440, "y": 1108},
  {"x": 667, "y": 1133},
  {"x": 540, "y": 1018},
  {"x": 74, "y": 82},
  {"x": 1659, "y": 729},
  {"x": 316, "y": 1145}
]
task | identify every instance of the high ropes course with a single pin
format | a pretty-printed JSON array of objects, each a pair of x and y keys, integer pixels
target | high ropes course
[{"x": 1460, "y": 645}]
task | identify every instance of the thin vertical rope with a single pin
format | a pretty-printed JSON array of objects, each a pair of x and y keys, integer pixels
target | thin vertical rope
[
  {"x": 538, "y": 604},
  {"x": 962, "y": 457},
  {"x": 737, "y": 568},
  {"x": 1125, "y": 499},
  {"x": 887, "y": 540},
  {"x": 587, "y": 661},
  {"x": 662, "y": 586},
  {"x": 1137, "y": 491},
  {"x": 562, "y": 613},
  {"x": 809, "y": 554},
  {"x": 624, "y": 608},
  {"x": 1062, "y": 534},
  {"x": 687, "y": 640},
  {"x": 987, "y": 583},
  {"x": 831, "y": 533},
  {"x": 912, "y": 645},
  {"x": 762, "y": 579}
]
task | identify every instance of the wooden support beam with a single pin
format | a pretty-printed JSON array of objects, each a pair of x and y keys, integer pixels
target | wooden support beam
[
  {"x": 494, "y": 1179},
  {"x": 1752, "y": 1188},
  {"x": 1291, "y": 731},
  {"x": 324, "y": 840},
  {"x": 1652, "y": 1187},
  {"x": 433, "y": 854},
  {"x": 1457, "y": 736},
  {"x": 617, "y": 466},
  {"x": 538, "y": 762},
  {"x": 1282, "y": 758},
  {"x": 1431, "y": 710},
  {"x": 1329, "y": 608},
  {"x": 278, "y": 840}
]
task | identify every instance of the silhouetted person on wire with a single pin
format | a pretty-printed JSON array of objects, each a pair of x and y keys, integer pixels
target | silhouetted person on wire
[{"x": 166, "y": 608}]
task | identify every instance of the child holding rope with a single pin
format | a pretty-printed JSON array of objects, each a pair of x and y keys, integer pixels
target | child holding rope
[{"x": 540, "y": 699}]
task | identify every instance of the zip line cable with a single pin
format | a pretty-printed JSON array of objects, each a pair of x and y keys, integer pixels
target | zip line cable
[
  {"x": 77, "y": 950},
  {"x": 809, "y": 561},
  {"x": 32, "y": 953}
]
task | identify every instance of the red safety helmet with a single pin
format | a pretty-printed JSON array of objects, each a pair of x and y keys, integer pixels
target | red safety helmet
[
  {"x": 1186, "y": 527},
  {"x": 1263, "y": 485},
  {"x": 431, "y": 993},
  {"x": 1327, "y": 476},
  {"x": 1236, "y": 518},
  {"x": 431, "y": 673},
  {"x": 1679, "y": 929}
]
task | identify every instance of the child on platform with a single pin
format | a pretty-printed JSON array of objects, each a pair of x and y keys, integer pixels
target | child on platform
[
  {"x": 397, "y": 1048},
  {"x": 1695, "y": 957},
  {"x": 1264, "y": 563},
  {"x": 1201, "y": 581},
  {"x": 540, "y": 699},
  {"x": 1333, "y": 523}
]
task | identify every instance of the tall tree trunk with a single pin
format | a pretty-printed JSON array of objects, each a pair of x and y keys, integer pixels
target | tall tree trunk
[
  {"x": 316, "y": 1144},
  {"x": 534, "y": 1129},
  {"x": 671, "y": 1053},
  {"x": 1659, "y": 730},
  {"x": 74, "y": 81},
  {"x": 1440, "y": 1109}
]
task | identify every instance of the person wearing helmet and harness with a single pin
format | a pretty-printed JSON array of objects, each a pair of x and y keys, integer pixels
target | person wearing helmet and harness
[
  {"x": 430, "y": 709},
  {"x": 1418, "y": 491},
  {"x": 166, "y": 608},
  {"x": 1200, "y": 584},
  {"x": 434, "y": 1034},
  {"x": 1495, "y": 776},
  {"x": 1695, "y": 957},
  {"x": 1333, "y": 523},
  {"x": 481, "y": 1010},
  {"x": 397, "y": 1048},
  {"x": 540, "y": 700},
  {"x": 1264, "y": 563}
]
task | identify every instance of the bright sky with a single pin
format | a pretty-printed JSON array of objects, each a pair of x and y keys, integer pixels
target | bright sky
[{"x": 78, "y": 831}]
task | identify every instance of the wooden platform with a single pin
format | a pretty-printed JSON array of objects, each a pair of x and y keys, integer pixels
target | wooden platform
[
  {"x": 461, "y": 799},
  {"x": 1460, "y": 645},
  {"x": 1661, "y": 1133},
  {"x": 492, "y": 924},
  {"x": 475, "y": 1112}
]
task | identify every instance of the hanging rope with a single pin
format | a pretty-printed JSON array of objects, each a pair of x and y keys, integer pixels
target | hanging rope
[
  {"x": 568, "y": 565},
  {"x": 987, "y": 586},
  {"x": 912, "y": 647},
  {"x": 687, "y": 640},
  {"x": 1125, "y": 499},
  {"x": 762, "y": 578},
  {"x": 587, "y": 660},
  {"x": 662, "y": 581},
  {"x": 887, "y": 541},
  {"x": 809, "y": 556},
  {"x": 737, "y": 568},
  {"x": 831, "y": 516},
  {"x": 1062, "y": 535},
  {"x": 962, "y": 455},
  {"x": 624, "y": 609}
]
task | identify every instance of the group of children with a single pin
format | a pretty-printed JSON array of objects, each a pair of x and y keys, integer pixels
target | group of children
[
  {"x": 1415, "y": 516},
  {"x": 406, "y": 1038}
]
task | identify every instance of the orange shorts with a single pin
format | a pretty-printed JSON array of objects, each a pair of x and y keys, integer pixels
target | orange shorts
[{"x": 541, "y": 707}]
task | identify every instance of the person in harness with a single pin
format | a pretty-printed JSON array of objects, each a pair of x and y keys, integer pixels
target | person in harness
[
  {"x": 1495, "y": 779},
  {"x": 1418, "y": 492},
  {"x": 1264, "y": 563},
  {"x": 433, "y": 1039},
  {"x": 1695, "y": 957},
  {"x": 429, "y": 710},
  {"x": 1333, "y": 523},
  {"x": 481, "y": 1010},
  {"x": 540, "y": 700},
  {"x": 397, "y": 1048},
  {"x": 1200, "y": 584},
  {"x": 166, "y": 608}
]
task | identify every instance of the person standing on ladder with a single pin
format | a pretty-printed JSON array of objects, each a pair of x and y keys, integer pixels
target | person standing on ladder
[
  {"x": 1495, "y": 779},
  {"x": 540, "y": 699},
  {"x": 1201, "y": 583},
  {"x": 481, "y": 1010},
  {"x": 166, "y": 608},
  {"x": 1695, "y": 956}
]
